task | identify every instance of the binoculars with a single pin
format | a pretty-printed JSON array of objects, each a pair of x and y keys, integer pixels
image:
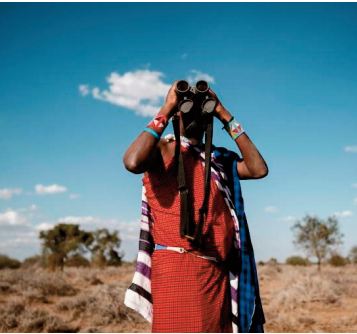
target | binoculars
[{"x": 195, "y": 96}]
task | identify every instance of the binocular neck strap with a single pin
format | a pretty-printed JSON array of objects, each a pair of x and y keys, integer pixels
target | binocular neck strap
[
  {"x": 188, "y": 229},
  {"x": 207, "y": 186},
  {"x": 186, "y": 219}
]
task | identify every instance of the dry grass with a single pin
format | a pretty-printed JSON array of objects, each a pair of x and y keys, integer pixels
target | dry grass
[{"x": 296, "y": 299}]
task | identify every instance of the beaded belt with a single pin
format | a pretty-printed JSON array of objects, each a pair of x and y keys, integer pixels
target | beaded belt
[{"x": 183, "y": 250}]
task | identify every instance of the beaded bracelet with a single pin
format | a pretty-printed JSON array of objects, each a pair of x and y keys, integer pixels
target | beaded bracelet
[{"x": 233, "y": 128}]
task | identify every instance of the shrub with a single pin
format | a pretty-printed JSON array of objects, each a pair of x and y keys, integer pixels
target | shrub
[
  {"x": 272, "y": 261},
  {"x": 77, "y": 261},
  {"x": 297, "y": 261},
  {"x": 8, "y": 262},
  {"x": 337, "y": 260},
  {"x": 36, "y": 260}
]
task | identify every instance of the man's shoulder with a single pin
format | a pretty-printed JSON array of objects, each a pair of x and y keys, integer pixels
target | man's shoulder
[{"x": 221, "y": 152}]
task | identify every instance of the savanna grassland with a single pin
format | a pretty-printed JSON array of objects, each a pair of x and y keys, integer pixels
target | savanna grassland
[{"x": 295, "y": 299}]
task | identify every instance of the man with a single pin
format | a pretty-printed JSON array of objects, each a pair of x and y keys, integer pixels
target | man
[{"x": 179, "y": 286}]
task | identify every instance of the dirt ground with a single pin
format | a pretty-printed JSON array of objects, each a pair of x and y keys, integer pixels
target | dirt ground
[{"x": 295, "y": 299}]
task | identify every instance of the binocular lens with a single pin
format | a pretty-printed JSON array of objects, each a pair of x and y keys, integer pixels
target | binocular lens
[
  {"x": 185, "y": 106},
  {"x": 208, "y": 106},
  {"x": 182, "y": 86},
  {"x": 202, "y": 86}
]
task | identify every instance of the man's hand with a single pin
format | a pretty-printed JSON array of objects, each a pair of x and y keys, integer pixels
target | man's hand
[
  {"x": 171, "y": 101},
  {"x": 220, "y": 111}
]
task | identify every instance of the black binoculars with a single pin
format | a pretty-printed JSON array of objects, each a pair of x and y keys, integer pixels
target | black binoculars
[{"x": 195, "y": 96}]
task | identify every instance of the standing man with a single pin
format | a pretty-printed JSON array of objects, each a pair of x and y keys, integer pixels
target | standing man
[{"x": 181, "y": 286}]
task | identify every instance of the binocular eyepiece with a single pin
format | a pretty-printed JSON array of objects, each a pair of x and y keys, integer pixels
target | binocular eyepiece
[{"x": 198, "y": 94}]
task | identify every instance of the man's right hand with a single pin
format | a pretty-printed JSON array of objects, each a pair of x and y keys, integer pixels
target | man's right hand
[{"x": 171, "y": 102}]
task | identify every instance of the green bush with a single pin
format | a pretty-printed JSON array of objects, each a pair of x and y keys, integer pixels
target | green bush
[
  {"x": 297, "y": 261},
  {"x": 8, "y": 262},
  {"x": 337, "y": 260}
]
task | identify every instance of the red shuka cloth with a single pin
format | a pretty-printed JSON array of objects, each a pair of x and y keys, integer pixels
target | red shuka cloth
[{"x": 190, "y": 294}]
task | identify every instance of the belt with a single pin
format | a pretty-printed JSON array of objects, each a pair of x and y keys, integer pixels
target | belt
[{"x": 183, "y": 250}]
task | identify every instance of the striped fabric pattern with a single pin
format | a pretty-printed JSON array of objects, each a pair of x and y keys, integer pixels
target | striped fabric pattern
[{"x": 138, "y": 295}]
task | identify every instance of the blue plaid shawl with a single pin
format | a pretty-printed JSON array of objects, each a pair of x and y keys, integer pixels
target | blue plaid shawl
[
  {"x": 247, "y": 311},
  {"x": 250, "y": 311}
]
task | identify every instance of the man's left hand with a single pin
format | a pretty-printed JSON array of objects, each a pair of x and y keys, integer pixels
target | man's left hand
[{"x": 220, "y": 111}]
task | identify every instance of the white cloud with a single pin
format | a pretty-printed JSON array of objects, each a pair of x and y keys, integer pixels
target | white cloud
[
  {"x": 44, "y": 226},
  {"x": 141, "y": 91},
  {"x": 74, "y": 196},
  {"x": 289, "y": 219},
  {"x": 12, "y": 218},
  {"x": 198, "y": 75},
  {"x": 355, "y": 201},
  {"x": 7, "y": 193},
  {"x": 77, "y": 220},
  {"x": 351, "y": 149},
  {"x": 343, "y": 214},
  {"x": 83, "y": 90},
  {"x": 50, "y": 189},
  {"x": 354, "y": 185},
  {"x": 271, "y": 209}
]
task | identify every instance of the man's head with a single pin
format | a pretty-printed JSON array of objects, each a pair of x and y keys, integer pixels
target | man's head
[{"x": 192, "y": 124}]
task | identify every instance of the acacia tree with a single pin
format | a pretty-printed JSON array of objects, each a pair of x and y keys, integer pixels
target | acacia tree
[
  {"x": 317, "y": 237},
  {"x": 63, "y": 241}
]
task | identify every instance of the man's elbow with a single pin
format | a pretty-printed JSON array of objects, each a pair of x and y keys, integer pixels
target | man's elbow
[
  {"x": 261, "y": 173},
  {"x": 131, "y": 165}
]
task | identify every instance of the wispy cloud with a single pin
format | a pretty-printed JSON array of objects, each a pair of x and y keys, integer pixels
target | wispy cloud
[
  {"x": 7, "y": 193},
  {"x": 196, "y": 75},
  {"x": 289, "y": 219},
  {"x": 351, "y": 149},
  {"x": 343, "y": 214},
  {"x": 271, "y": 209},
  {"x": 354, "y": 185},
  {"x": 184, "y": 55},
  {"x": 74, "y": 196},
  {"x": 50, "y": 189},
  {"x": 141, "y": 91},
  {"x": 83, "y": 90},
  {"x": 355, "y": 201}
]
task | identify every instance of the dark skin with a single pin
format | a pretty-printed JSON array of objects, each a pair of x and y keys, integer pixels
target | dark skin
[{"x": 147, "y": 152}]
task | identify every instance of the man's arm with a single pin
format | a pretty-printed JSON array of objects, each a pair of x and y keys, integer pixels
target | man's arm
[
  {"x": 252, "y": 165},
  {"x": 145, "y": 152}
]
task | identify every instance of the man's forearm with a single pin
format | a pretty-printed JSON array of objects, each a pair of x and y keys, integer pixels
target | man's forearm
[
  {"x": 142, "y": 150},
  {"x": 253, "y": 159}
]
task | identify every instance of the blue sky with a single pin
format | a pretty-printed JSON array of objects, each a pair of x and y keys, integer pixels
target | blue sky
[{"x": 68, "y": 110}]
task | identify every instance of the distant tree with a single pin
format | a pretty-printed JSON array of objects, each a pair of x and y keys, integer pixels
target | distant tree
[
  {"x": 353, "y": 254},
  {"x": 105, "y": 248},
  {"x": 317, "y": 237},
  {"x": 62, "y": 242}
]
